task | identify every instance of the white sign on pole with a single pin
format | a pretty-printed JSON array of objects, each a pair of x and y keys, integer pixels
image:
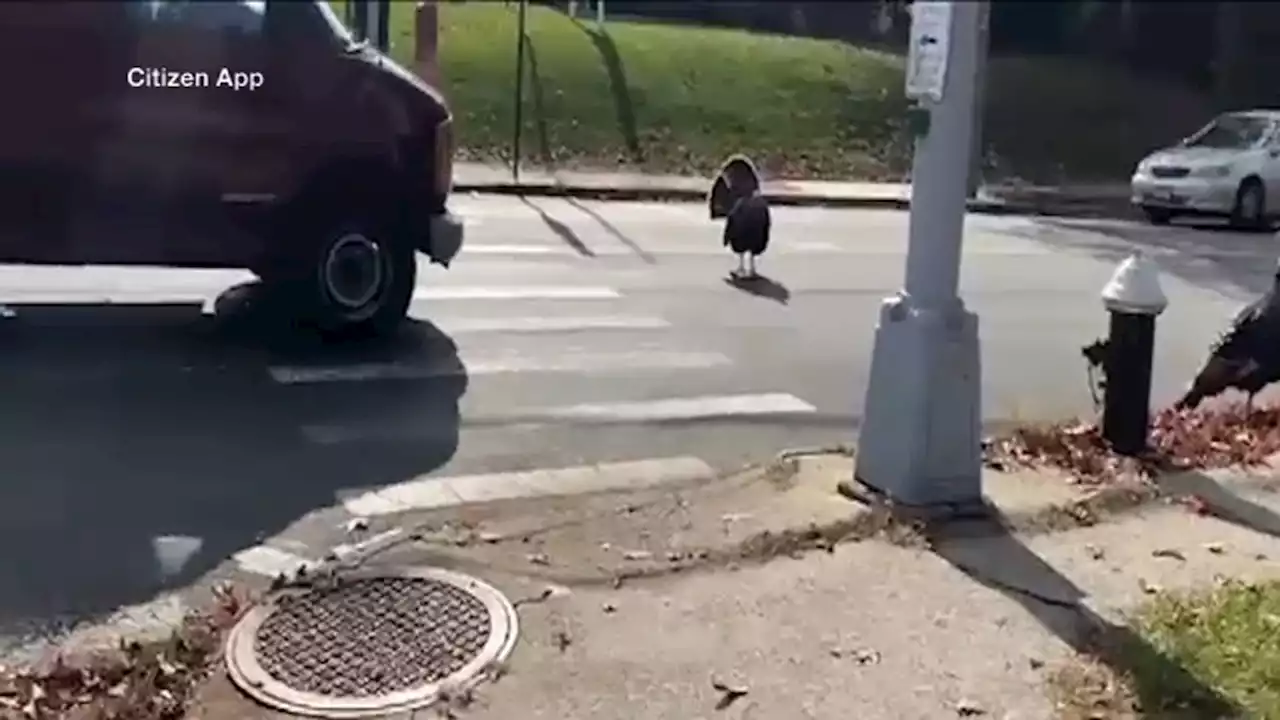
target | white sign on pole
[{"x": 929, "y": 48}]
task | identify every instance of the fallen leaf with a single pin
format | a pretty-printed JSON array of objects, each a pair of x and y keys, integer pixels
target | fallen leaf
[
  {"x": 728, "y": 693},
  {"x": 968, "y": 708},
  {"x": 867, "y": 657},
  {"x": 562, "y": 640},
  {"x": 1169, "y": 553},
  {"x": 637, "y": 555},
  {"x": 1215, "y": 548},
  {"x": 538, "y": 559}
]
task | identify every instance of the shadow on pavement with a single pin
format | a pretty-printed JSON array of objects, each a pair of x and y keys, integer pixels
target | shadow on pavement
[
  {"x": 1206, "y": 253},
  {"x": 612, "y": 229},
  {"x": 999, "y": 560},
  {"x": 562, "y": 231},
  {"x": 761, "y": 286},
  {"x": 124, "y": 424},
  {"x": 1221, "y": 502}
]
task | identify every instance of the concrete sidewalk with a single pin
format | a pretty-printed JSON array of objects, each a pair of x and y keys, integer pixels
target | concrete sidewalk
[
  {"x": 639, "y": 605},
  {"x": 1076, "y": 200}
]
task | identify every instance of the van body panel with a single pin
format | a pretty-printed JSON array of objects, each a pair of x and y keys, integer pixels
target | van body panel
[{"x": 104, "y": 160}]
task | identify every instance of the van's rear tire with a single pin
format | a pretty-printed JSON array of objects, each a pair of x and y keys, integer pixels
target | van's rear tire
[{"x": 348, "y": 272}]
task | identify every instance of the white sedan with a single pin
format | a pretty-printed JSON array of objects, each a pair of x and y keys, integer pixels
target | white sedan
[{"x": 1229, "y": 168}]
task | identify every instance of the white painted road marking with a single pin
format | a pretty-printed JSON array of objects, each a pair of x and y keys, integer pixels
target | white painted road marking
[
  {"x": 455, "y": 325},
  {"x": 435, "y": 492},
  {"x": 513, "y": 292},
  {"x": 687, "y": 408},
  {"x": 711, "y": 246},
  {"x": 581, "y": 362},
  {"x": 269, "y": 561},
  {"x": 531, "y": 419}
]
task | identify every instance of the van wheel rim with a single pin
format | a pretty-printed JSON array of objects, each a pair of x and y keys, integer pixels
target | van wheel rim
[{"x": 354, "y": 271}]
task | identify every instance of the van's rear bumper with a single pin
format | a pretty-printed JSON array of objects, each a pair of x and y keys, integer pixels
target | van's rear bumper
[{"x": 442, "y": 240}]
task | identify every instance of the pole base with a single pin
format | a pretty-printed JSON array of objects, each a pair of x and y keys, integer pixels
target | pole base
[
  {"x": 933, "y": 515},
  {"x": 921, "y": 438}
]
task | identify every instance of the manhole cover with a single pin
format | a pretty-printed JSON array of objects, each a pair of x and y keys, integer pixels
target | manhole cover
[{"x": 372, "y": 643}]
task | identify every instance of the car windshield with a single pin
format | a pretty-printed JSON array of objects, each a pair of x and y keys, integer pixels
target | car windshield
[{"x": 1233, "y": 132}]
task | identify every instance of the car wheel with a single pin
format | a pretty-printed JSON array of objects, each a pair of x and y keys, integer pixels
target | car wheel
[
  {"x": 1250, "y": 209},
  {"x": 1157, "y": 216},
  {"x": 352, "y": 276}
]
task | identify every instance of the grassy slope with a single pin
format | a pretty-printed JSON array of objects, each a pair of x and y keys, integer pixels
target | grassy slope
[
  {"x": 1211, "y": 654},
  {"x": 680, "y": 99}
]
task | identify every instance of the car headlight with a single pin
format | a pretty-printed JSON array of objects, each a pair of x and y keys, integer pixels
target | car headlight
[
  {"x": 1212, "y": 171},
  {"x": 1144, "y": 168}
]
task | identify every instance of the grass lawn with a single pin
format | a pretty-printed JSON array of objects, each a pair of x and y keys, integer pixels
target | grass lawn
[
  {"x": 680, "y": 99},
  {"x": 1222, "y": 645}
]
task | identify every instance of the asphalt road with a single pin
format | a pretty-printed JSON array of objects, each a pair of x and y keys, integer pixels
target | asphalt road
[{"x": 138, "y": 428}]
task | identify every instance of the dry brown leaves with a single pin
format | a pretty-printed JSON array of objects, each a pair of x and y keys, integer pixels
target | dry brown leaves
[
  {"x": 136, "y": 682},
  {"x": 1187, "y": 439}
]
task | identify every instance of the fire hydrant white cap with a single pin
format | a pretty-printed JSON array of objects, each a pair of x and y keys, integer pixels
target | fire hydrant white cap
[{"x": 1135, "y": 288}]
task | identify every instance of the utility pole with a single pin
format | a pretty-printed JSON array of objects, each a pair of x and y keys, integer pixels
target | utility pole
[
  {"x": 978, "y": 156},
  {"x": 920, "y": 442}
]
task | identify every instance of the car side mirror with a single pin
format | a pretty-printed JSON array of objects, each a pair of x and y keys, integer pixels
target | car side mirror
[{"x": 1274, "y": 152}]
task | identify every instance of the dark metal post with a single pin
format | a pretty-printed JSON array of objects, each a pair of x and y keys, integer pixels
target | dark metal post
[
  {"x": 382, "y": 25},
  {"x": 519, "y": 109},
  {"x": 360, "y": 18},
  {"x": 1133, "y": 298}
]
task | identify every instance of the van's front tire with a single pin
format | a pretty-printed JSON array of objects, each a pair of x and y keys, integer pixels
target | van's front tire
[{"x": 350, "y": 274}]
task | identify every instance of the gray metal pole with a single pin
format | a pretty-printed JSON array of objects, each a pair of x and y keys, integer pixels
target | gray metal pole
[
  {"x": 519, "y": 109},
  {"x": 977, "y": 157},
  {"x": 920, "y": 441},
  {"x": 374, "y": 20}
]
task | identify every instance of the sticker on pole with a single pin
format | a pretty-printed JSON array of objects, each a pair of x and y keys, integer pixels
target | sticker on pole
[{"x": 930, "y": 44}]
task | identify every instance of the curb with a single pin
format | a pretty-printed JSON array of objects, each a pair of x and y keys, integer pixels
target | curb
[{"x": 1067, "y": 207}]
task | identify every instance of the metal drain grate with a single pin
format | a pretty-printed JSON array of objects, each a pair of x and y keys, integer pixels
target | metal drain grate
[{"x": 370, "y": 643}]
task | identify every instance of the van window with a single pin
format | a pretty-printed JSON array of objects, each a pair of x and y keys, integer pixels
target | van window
[{"x": 238, "y": 16}]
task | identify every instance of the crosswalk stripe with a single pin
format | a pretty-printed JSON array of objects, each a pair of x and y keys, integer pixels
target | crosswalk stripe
[
  {"x": 535, "y": 324},
  {"x": 530, "y": 419},
  {"x": 514, "y": 292},
  {"x": 587, "y": 362},
  {"x": 474, "y": 248},
  {"x": 688, "y": 408},
  {"x": 434, "y": 492},
  {"x": 711, "y": 246}
]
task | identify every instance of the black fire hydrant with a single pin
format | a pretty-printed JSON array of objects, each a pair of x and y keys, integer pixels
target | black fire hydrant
[{"x": 1133, "y": 298}]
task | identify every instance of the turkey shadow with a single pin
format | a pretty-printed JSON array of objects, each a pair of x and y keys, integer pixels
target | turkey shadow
[
  {"x": 988, "y": 554},
  {"x": 132, "y": 428},
  {"x": 761, "y": 286}
]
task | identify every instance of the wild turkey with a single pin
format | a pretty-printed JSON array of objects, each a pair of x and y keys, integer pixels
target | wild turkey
[
  {"x": 1246, "y": 357},
  {"x": 736, "y": 196}
]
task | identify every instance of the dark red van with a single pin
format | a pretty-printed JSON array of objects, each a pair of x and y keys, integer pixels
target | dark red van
[{"x": 223, "y": 134}]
